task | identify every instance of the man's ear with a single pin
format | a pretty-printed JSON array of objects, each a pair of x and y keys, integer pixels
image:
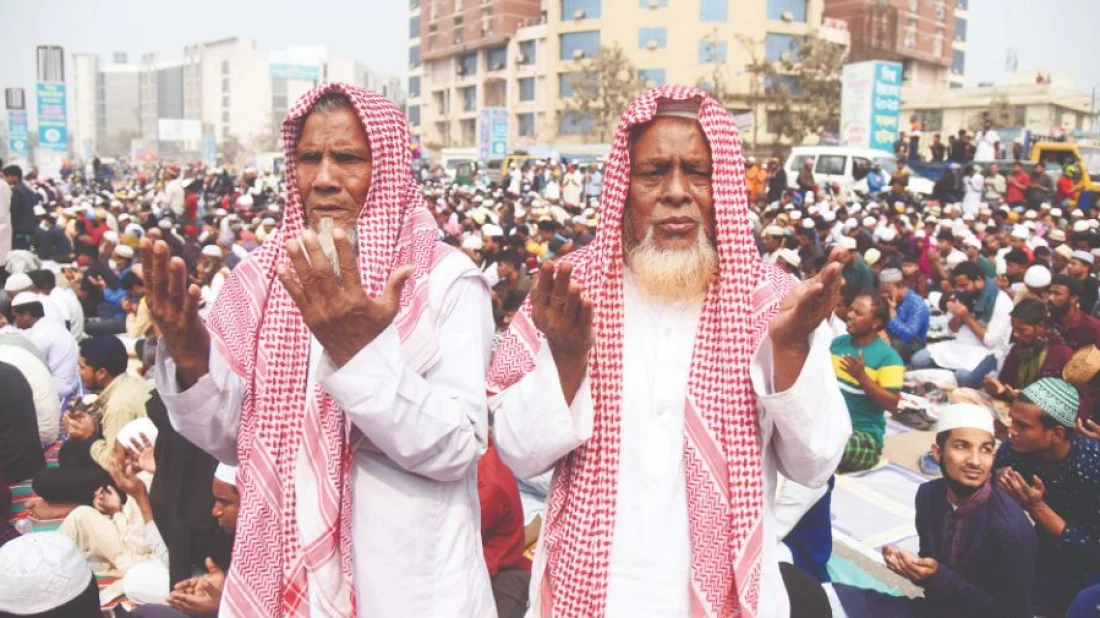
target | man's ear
[{"x": 937, "y": 454}]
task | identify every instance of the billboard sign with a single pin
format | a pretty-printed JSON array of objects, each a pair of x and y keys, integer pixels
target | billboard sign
[
  {"x": 53, "y": 131},
  {"x": 870, "y": 104},
  {"x": 19, "y": 146},
  {"x": 493, "y": 142}
]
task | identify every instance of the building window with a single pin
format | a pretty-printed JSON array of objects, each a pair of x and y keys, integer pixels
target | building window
[
  {"x": 652, "y": 3},
  {"x": 225, "y": 100},
  {"x": 782, "y": 83},
  {"x": 580, "y": 9},
  {"x": 960, "y": 29},
  {"x": 225, "y": 67},
  {"x": 787, "y": 10},
  {"x": 414, "y": 27},
  {"x": 776, "y": 120},
  {"x": 776, "y": 45},
  {"x": 527, "y": 89},
  {"x": 414, "y": 115},
  {"x": 576, "y": 123},
  {"x": 225, "y": 115},
  {"x": 460, "y": 35},
  {"x": 712, "y": 51},
  {"x": 931, "y": 120},
  {"x": 414, "y": 56},
  {"x": 1019, "y": 115},
  {"x": 414, "y": 86},
  {"x": 527, "y": 52},
  {"x": 467, "y": 64},
  {"x": 651, "y": 77},
  {"x": 469, "y": 132},
  {"x": 958, "y": 62},
  {"x": 576, "y": 45},
  {"x": 652, "y": 38},
  {"x": 567, "y": 83},
  {"x": 497, "y": 58},
  {"x": 225, "y": 84},
  {"x": 713, "y": 10},
  {"x": 526, "y": 124},
  {"x": 469, "y": 98}
]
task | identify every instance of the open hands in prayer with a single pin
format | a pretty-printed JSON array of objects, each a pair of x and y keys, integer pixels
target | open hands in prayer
[
  {"x": 141, "y": 453},
  {"x": 1013, "y": 484},
  {"x": 107, "y": 501},
  {"x": 174, "y": 307},
  {"x": 1088, "y": 428},
  {"x": 200, "y": 596},
  {"x": 337, "y": 310},
  {"x": 909, "y": 566},
  {"x": 563, "y": 314},
  {"x": 803, "y": 310}
]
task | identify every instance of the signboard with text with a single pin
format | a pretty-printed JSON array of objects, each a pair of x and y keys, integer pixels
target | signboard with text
[
  {"x": 493, "y": 137},
  {"x": 53, "y": 130},
  {"x": 870, "y": 104},
  {"x": 19, "y": 146}
]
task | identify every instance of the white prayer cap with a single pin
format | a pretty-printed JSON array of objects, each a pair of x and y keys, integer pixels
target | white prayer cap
[
  {"x": 1037, "y": 277},
  {"x": 1020, "y": 232},
  {"x": 955, "y": 258},
  {"x": 796, "y": 214},
  {"x": 808, "y": 223},
  {"x": 1056, "y": 212},
  {"x": 267, "y": 221},
  {"x": 39, "y": 211},
  {"x": 829, "y": 216},
  {"x": 1084, "y": 256},
  {"x": 773, "y": 230},
  {"x": 165, "y": 224},
  {"x": 1031, "y": 214},
  {"x": 851, "y": 224},
  {"x": 134, "y": 429},
  {"x": 25, "y": 298},
  {"x": 41, "y": 571},
  {"x": 493, "y": 230},
  {"x": 111, "y": 236},
  {"x": 790, "y": 256},
  {"x": 887, "y": 234},
  {"x": 1076, "y": 214},
  {"x": 980, "y": 227},
  {"x": 968, "y": 217},
  {"x": 1065, "y": 251},
  {"x": 972, "y": 241},
  {"x": 221, "y": 212},
  {"x": 847, "y": 242},
  {"x": 919, "y": 234},
  {"x": 872, "y": 256},
  {"x": 1080, "y": 226},
  {"x": 965, "y": 416},
  {"x": 226, "y": 474},
  {"x": 472, "y": 243},
  {"x": 855, "y": 209},
  {"x": 1093, "y": 224},
  {"x": 1037, "y": 241},
  {"x": 212, "y": 251},
  {"x": 1002, "y": 268},
  {"x": 18, "y": 282},
  {"x": 890, "y": 275},
  {"x": 1057, "y": 235},
  {"x": 809, "y": 198},
  {"x": 869, "y": 221},
  {"x": 124, "y": 252}
]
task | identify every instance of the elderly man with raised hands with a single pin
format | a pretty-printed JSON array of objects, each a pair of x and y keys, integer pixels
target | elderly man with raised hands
[
  {"x": 668, "y": 374},
  {"x": 342, "y": 369}
]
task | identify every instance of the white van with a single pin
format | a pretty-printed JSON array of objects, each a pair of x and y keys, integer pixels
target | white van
[{"x": 844, "y": 166}]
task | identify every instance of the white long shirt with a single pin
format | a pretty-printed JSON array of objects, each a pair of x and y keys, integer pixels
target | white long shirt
[
  {"x": 47, "y": 405},
  {"x": 966, "y": 350},
  {"x": 416, "y": 518},
  {"x": 59, "y": 349},
  {"x": 72, "y": 310},
  {"x": 803, "y": 431}
]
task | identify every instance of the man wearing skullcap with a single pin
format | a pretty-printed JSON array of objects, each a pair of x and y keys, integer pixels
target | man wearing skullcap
[
  {"x": 1034, "y": 354},
  {"x": 909, "y": 314},
  {"x": 1055, "y": 476},
  {"x": 50, "y": 337},
  {"x": 45, "y": 575},
  {"x": 1080, "y": 268}
]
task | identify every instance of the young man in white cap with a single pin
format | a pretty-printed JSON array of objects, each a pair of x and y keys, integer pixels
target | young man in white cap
[
  {"x": 45, "y": 575},
  {"x": 57, "y": 346},
  {"x": 977, "y": 549},
  {"x": 1080, "y": 268},
  {"x": 1055, "y": 476}
]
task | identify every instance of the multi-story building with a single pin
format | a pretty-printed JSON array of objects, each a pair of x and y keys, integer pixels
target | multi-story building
[
  {"x": 82, "y": 79},
  {"x": 118, "y": 109},
  {"x": 928, "y": 37}
]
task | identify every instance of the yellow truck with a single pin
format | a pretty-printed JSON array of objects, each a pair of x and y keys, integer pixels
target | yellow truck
[{"x": 1056, "y": 155}]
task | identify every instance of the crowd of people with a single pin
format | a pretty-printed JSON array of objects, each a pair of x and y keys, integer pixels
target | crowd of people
[{"x": 186, "y": 348}]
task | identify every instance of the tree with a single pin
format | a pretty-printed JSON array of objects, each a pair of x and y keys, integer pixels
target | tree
[
  {"x": 716, "y": 82},
  {"x": 804, "y": 87},
  {"x": 603, "y": 87}
]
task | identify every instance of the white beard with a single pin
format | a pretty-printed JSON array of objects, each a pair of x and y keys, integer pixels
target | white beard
[
  {"x": 673, "y": 274},
  {"x": 328, "y": 243}
]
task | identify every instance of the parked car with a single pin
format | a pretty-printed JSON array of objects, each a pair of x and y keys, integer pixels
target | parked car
[{"x": 847, "y": 167}]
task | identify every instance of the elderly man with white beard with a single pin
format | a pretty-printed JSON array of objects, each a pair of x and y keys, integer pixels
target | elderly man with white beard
[
  {"x": 666, "y": 374},
  {"x": 342, "y": 370}
]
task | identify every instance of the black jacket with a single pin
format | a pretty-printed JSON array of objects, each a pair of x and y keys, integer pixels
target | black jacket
[{"x": 20, "y": 452}]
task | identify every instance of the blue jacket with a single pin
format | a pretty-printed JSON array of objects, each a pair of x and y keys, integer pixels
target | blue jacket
[{"x": 910, "y": 321}]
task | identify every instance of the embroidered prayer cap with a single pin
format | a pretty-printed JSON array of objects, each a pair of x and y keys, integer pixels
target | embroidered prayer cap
[
  {"x": 890, "y": 275},
  {"x": 1057, "y": 235},
  {"x": 1083, "y": 366},
  {"x": 1056, "y": 397},
  {"x": 965, "y": 415},
  {"x": 40, "y": 572}
]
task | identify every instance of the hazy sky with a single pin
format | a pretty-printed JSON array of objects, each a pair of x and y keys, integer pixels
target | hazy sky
[{"x": 1061, "y": 35}]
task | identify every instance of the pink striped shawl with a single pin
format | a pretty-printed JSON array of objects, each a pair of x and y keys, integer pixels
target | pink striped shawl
[
  {"x": 722, "y": 450},
  {"x": 288, "y": 560}
]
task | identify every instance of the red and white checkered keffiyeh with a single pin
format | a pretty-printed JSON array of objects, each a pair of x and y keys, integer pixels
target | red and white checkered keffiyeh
[
  {"x": 292, "y": 555},
  {"x": 722, "y": 450}
]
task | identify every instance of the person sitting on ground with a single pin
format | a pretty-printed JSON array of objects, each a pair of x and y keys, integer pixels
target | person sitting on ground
[
  {"x": 1055, "y": 476},
  {"x": 909, "y": 315},
  {"x": 977, "y": 548},
  {"x": 44, "y": 575},
  {"x": 1035, "y": 354},
  {"x": 870, "y": 375},
  {"x": 45, "y": 283},
  {"x": 1073, "y": 326},
  {"x": 54, "y": 342},
  {"x": 502, "y": 534},
  {"x": 982, "y": 322}
]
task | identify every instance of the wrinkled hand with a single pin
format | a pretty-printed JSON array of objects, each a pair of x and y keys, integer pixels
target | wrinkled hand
[
  {"x": 336, "y": 309},
  {"x": 803, "y": 310},
  {"x": 200, "y": 596},
  {"x": 907, "y": 565},
  {"x": 562, "y": 312},
  {"x": 174, "y": 307},
  {"x": 855, "y": 367},
  {"x": 107, "y": 501},
  {"x": 1013, "y": 484},
  {"x": 1088, "y": 428}
]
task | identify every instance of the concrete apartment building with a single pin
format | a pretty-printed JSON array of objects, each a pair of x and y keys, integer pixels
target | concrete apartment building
[
  {"x": 928, "y": 37},
  {"x": 526, "y": 68}
]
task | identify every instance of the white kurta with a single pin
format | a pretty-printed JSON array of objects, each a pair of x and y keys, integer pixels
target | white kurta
[
  {"x": 416, "y": 517},
  {"x": 804, "y": 430},
  {"x": 966, "y": 350},
  {"x": 59, "y": 350}
]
